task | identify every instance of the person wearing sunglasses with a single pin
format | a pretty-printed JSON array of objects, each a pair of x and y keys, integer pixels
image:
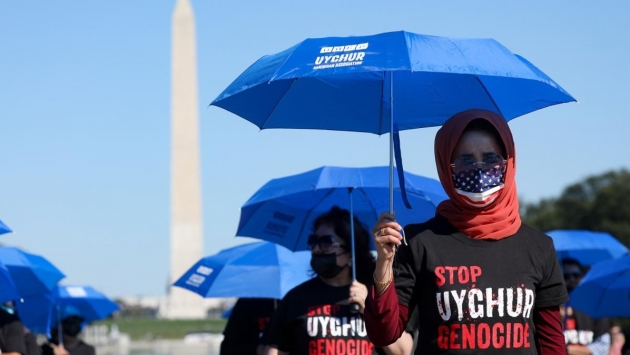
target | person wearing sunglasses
[
  {"x": 316, "y": 317},
  {"x": 480, "y": 279},
  {"x": 583, "y": 334}
]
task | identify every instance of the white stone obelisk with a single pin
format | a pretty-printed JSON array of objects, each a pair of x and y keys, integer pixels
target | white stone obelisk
[{"x": 186, "y": 217}]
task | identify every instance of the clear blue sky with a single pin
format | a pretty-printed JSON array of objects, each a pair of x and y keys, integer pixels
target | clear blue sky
[{"x": 85, "y": 115}]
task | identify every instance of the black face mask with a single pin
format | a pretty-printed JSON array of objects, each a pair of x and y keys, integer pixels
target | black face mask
[
  {"x": 325, "y": 265},
  {"x": 71, "y": 329}
]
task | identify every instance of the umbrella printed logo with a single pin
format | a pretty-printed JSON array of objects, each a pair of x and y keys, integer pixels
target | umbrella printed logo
[
  {"x": 279, "y": 228},
  {"x": 341, "y": 56},
  {"x": 204, "y": 270},
  {"x": 76, "y": 291},
  {"x": 195, "y": 280}
]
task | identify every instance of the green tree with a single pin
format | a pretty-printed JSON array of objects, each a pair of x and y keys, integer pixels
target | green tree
[{"x": 598, "y": 203}]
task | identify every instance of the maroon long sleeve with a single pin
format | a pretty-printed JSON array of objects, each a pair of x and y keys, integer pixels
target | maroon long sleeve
[
  {"x": 385, "y": 318},
  {"x": 549, "y": 337}
]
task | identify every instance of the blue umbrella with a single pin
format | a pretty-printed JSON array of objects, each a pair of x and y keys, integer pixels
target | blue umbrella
[
  {"x": 32, "y": 274},
  {"x": 91, "y": 304},
  {"x": 587, "y": 247},
  {"x": 605, "y": 290},
  {"x": 8, "y": 290},
  {"x": 4, "y": 228},
  {"x": 354, "y": 84},
  {"x": 40, "y": 313},
  {"x": 255, "y": 270},
  {"x": 283, "y": 210}
]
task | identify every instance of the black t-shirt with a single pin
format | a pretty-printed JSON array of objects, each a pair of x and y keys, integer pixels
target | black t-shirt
[
  {"x": 476, "y": 295},
  {"x": 582, "y": 329},
  {"x": 246, "y": 325},
  {"x": 79, "y": 348},
  {"x": 314, "y": 318},
  {"x": 31, "y": 344},
  {"x": 11, "y": 334}
]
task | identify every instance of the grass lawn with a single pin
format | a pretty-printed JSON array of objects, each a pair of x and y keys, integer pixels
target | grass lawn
[{"x": 164, "y": 328}]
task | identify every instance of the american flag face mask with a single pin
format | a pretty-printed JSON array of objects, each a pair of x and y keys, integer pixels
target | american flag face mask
[{"x": 478, "y": 186}]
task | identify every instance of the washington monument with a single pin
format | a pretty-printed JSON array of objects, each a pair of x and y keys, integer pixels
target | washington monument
[{"x": 186, "y": 226}]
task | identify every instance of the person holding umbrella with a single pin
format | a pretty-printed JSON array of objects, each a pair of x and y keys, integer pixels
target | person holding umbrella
[
  {"x": 317, "y": 316},
  {"x": 71, "y": 326},
  {"x": 483, "y": 282},
  {"x": 583, "y": 334}
]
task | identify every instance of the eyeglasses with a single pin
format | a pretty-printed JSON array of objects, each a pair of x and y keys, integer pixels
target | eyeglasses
[
  {"x": 492, "y": 164},
  {"x": 324, "y": 242},
  {"x": 575, "y": 275}
]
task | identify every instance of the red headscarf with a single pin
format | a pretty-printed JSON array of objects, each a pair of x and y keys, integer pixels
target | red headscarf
[{"x": 501, "y": 218}]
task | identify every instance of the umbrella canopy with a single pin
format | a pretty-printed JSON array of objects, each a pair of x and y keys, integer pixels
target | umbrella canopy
[
  {"x": 40, "y": 313},
  {"x": 585, "y": 246},
  {"x": 605, "y": 290},
  {"x": 4, "y": 228},
  {"x": 8, "y": 290},
  {"x": 347, "y": 83},
  {"x": 352, "y": 83},
  {"x": 255, "y": 270},
  {"x": 32, "y": 274},
  {"x": 283, "y": 210}
]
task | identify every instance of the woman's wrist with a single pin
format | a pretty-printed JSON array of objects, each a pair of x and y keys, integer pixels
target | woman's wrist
[{"x": 383, "y": 270}]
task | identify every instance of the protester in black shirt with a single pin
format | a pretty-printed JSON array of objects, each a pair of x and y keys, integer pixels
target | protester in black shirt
[
  {"x": 315, "y": 317},
  {"x": 245, "y": 327},
  {"x": 483, "y": 281},
  {"x": 72, "y": 345},
  {"x": 11, "y": 332},
  {"x": 583, "y": 334}
]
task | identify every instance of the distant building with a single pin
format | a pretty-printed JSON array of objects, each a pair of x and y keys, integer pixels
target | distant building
[{"x": 149, "y": 307}]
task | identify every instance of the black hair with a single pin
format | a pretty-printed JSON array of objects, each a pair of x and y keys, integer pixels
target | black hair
[
  {"x": 571, "y": 261},
  {"x": 339, "y": 219},
  {"x": 482, "y": 125}
]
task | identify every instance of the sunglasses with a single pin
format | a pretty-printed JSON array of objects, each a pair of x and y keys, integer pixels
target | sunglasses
[
  {"x": 492, "y": 165},
  {"x": 575, "y": 275},
  {"x": 324, "y": 242}
]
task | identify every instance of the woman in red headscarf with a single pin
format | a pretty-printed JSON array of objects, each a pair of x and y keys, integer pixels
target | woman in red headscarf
[{"x": 482, "y": 281}]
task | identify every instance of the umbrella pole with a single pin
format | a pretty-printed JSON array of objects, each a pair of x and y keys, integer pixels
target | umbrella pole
[
  {"x": 59, "y": 331},
  {"x": 391, "y": 151},
  {"x": 354, "y": 307},
  {"x": 354, "y": 269},
  {"x": 391, "y": 143}
]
